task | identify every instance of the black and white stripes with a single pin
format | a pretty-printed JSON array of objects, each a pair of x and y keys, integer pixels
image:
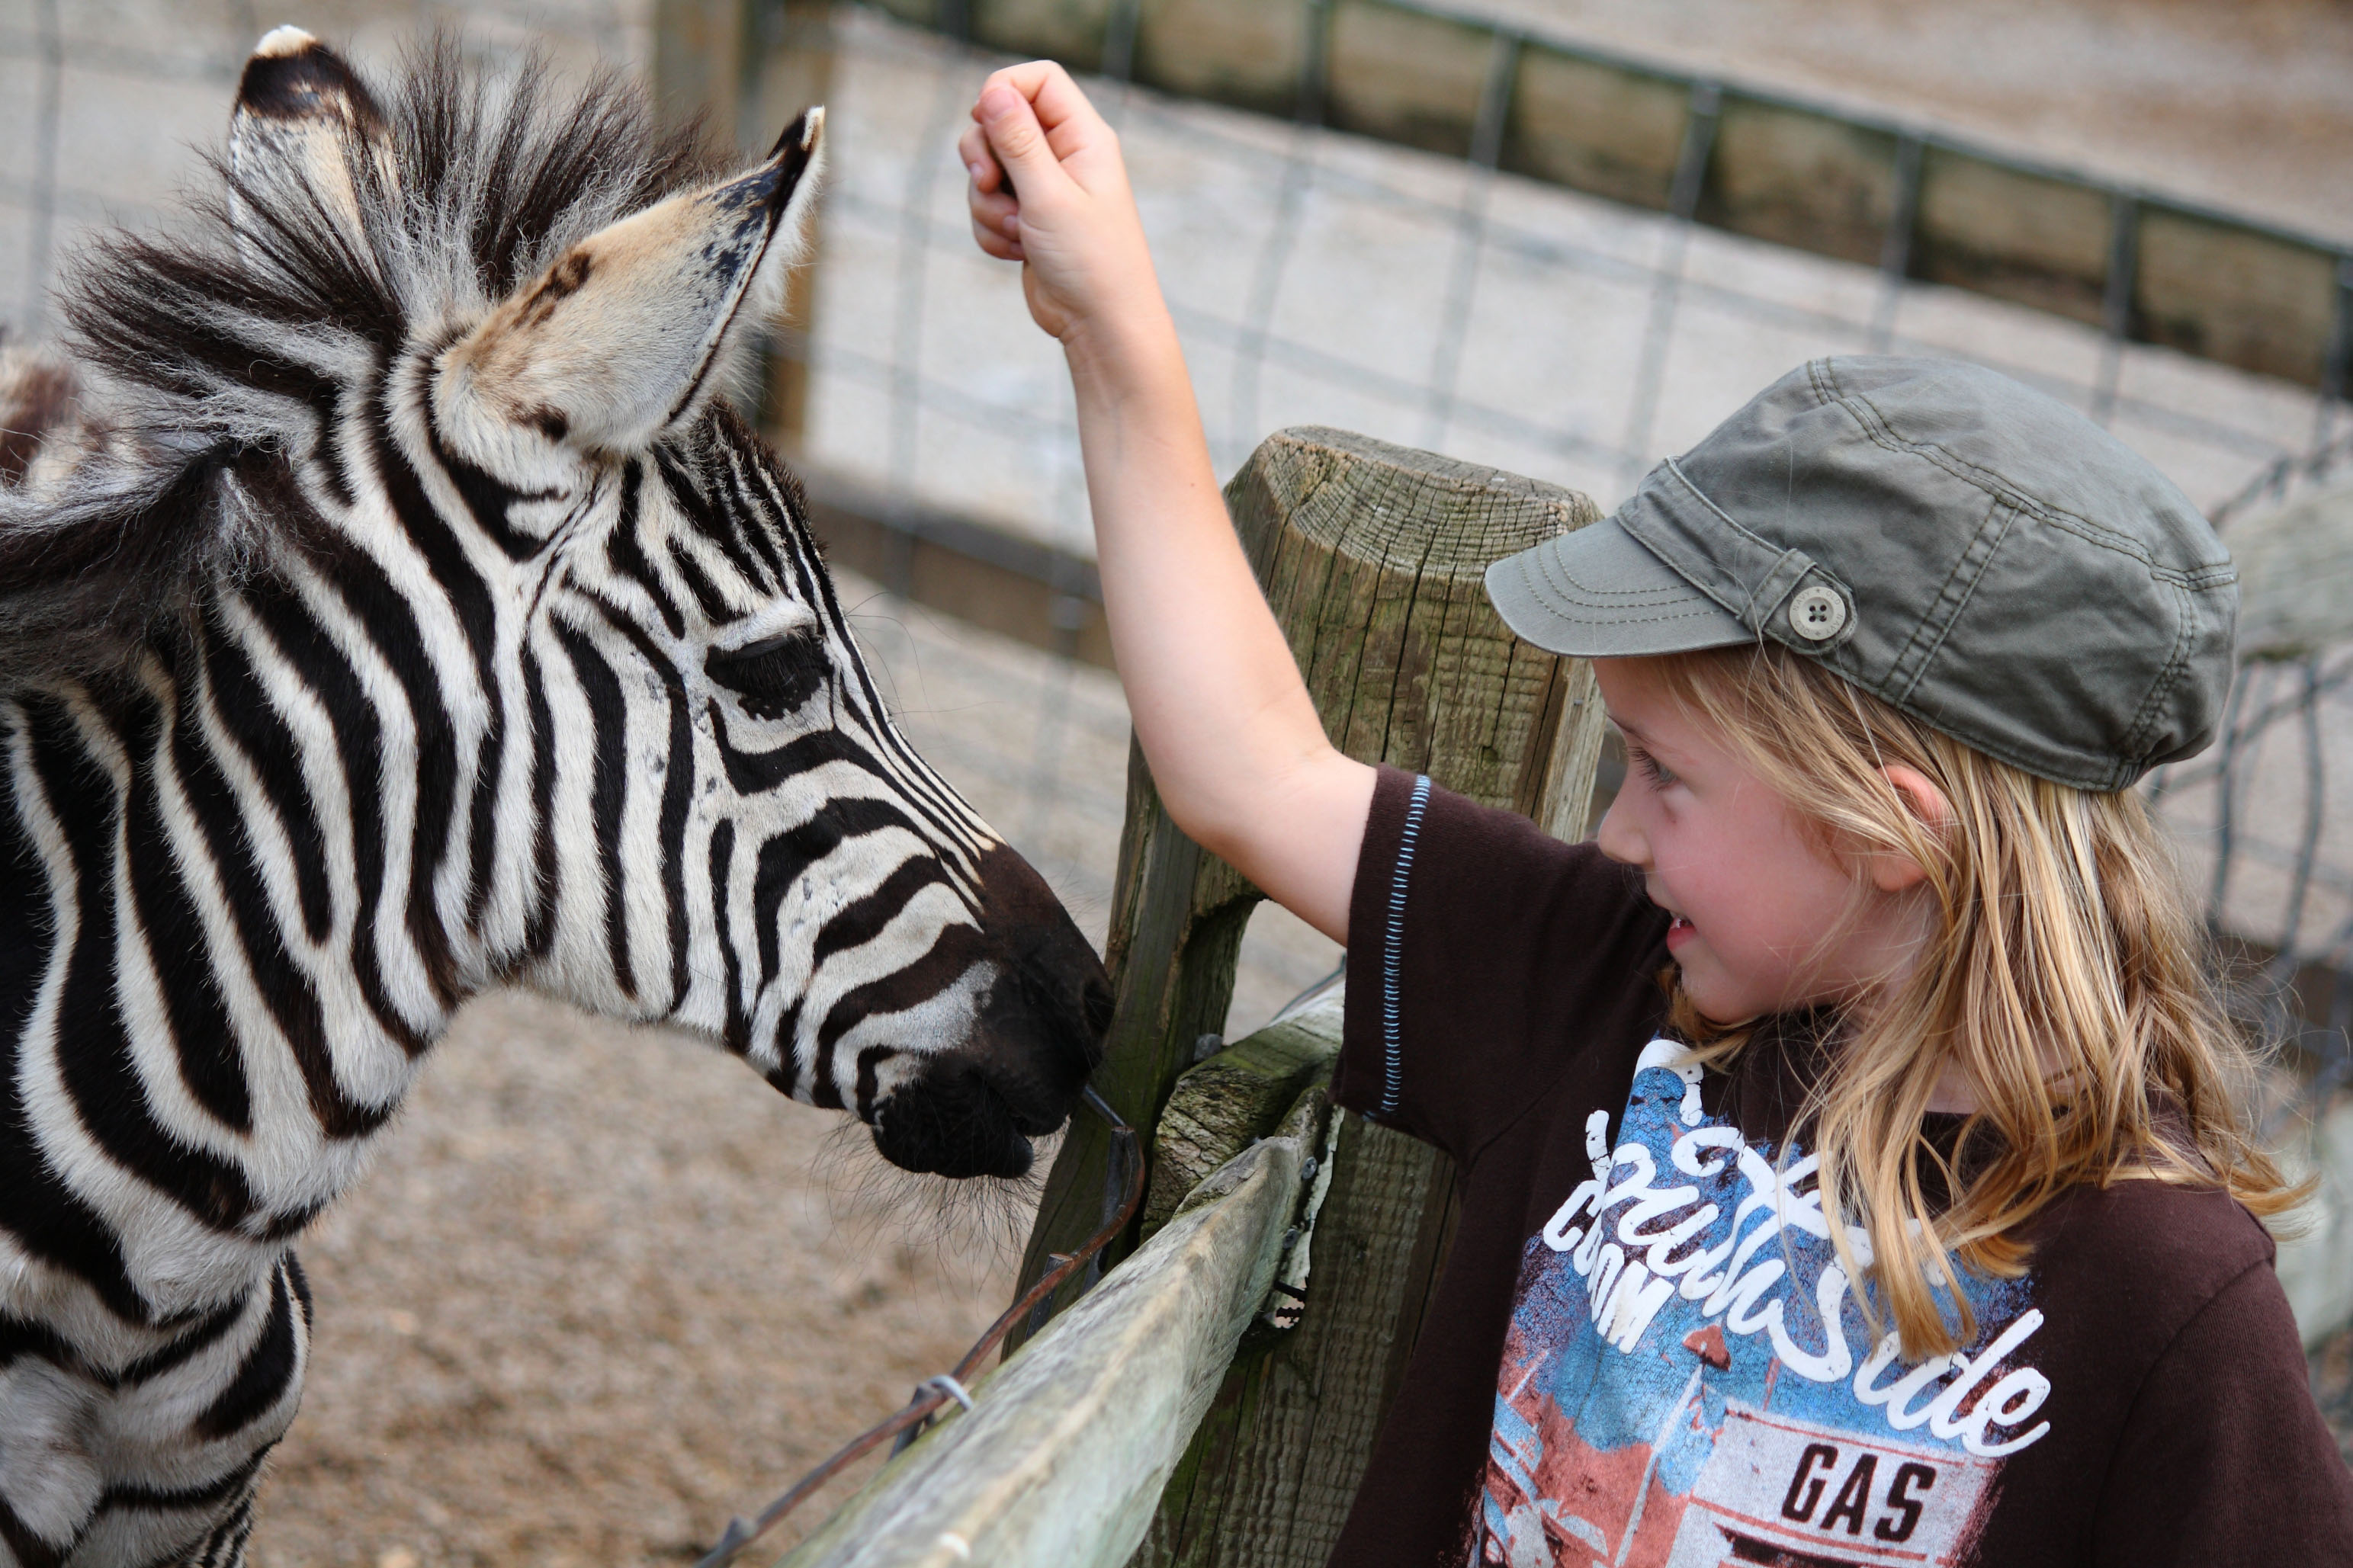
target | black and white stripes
[{"x": 399, "y": 616}]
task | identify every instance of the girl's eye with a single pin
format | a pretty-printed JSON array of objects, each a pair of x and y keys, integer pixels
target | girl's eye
[
  {"x": 774, "y": 676},
  {"x": 1653, "y": 772}
]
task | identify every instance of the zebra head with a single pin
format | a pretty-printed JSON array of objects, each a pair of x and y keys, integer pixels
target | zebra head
[{"x": 576, "y": 705}]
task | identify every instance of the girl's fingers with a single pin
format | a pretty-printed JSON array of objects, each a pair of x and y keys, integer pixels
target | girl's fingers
[
  {"x": 1072, "y": 126},
  {"x": 979, "y": 163},
  {"x": 1053, "y": 97},
  {"x": 1036, "y": 143},
  {"x": 999, "y": 213},
  {"x": 996, "y": 243},
  {"x": 1017, "y": 138},
  {"x": 995, "y": 212}
]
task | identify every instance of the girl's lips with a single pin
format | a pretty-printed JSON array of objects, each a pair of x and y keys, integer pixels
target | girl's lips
[{"x": 1679, "y": 931}]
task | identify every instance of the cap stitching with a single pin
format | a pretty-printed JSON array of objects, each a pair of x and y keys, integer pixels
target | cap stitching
[
  {"x": 1630, "y": 601},
  {"x": 1920, "y": 627},
  {"x": 2213, "y": 574},
  {"x": 1779, "y": 584},
  {"x": 1708, "y": 610},
  {"x": 1644, "y": 620},
  {"x": 1660, "y": 620},
  {"x": 2007, "y": 514},
  {"x": 2136, "y": 739},
  {"x": 2065, "y": 764},
  {"x": 1745, "y": 612},
  {"x": 1882, "y": 434},
  {"x": 1780, "y": 552},
  {"x": 1822, "y": 376},
  {"x": 2060, "y": 765},
  {"x": 1558, "y": 578}
]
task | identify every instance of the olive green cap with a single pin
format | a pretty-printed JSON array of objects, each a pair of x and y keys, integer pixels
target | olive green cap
[{"x": 1959, "y": 545}]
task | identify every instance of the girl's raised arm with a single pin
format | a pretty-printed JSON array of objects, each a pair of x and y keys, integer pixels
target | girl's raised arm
[{"x": 1235, "y": 746}]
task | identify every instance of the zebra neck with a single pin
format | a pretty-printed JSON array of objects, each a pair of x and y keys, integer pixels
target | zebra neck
[{"x": 221, "y": 953}]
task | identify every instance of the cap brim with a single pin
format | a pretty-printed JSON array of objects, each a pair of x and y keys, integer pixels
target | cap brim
[{"x": 1599, "y": 592}]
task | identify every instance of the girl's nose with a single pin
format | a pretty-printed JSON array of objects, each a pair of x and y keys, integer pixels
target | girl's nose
[{"x": 1620, "y": 838}]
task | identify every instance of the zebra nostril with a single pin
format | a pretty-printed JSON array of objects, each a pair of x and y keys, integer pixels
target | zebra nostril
[{"x": 952, "y": 1123}]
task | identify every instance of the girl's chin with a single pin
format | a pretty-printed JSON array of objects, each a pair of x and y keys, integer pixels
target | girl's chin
[{"x": 1705, "y": 988}]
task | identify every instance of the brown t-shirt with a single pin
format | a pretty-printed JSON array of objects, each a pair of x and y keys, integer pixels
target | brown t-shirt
[{"x": 1642, "y": 1350}]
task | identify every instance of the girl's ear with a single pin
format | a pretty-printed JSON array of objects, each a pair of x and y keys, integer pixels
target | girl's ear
[{"x": 1892, "y": 871}]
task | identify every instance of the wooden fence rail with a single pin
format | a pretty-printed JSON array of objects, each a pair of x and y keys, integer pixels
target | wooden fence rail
[{"x": 1061, "y": 1461}]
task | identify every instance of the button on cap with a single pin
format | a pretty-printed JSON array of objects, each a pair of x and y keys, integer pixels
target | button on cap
[{"x": 1816, "y": 614}]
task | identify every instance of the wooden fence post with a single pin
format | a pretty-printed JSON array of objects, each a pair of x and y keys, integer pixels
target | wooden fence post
[
  {"x": 793, "y": 69},
  {"x": 699, "y": 59},
  {"x": 745, "y": 68},
  {"x": 1371, "y": 557}
]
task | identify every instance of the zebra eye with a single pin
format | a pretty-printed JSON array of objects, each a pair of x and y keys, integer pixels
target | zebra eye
[{"x": 773, "y": 677}]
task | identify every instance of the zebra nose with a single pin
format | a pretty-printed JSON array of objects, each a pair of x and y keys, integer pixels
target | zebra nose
[
  {"x": 952, "y": 1122},
  {"x": 1038, "y": 1033},
  {"x": 1058, "y": 987}
]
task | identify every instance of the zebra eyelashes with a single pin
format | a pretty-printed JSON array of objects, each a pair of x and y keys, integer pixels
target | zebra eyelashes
[{"x": 774, "y": 676}]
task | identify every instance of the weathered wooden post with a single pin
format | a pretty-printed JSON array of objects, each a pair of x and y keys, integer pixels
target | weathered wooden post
[
  {"x": 1371, "y": 556},
  {"x": 793, "y": 69},
  {"x": 745, "y": 68},
  {"x": 701, "y": 52}
]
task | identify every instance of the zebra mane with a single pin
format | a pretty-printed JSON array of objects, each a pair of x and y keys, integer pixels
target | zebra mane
[{"x": 206, "y": 361}]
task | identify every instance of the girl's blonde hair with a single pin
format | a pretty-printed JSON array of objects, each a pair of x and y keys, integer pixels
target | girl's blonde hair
[{"x": 2064, "y": 975}]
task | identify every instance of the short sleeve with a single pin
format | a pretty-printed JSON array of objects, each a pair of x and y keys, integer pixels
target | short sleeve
[
  {"x": 1482, "y": 954},
  {"x": 2225, "y": 1459}
]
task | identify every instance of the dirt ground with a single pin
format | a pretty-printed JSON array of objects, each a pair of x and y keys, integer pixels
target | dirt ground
[
  {"x": 2245, "y": 104},
  {"x": 605, "y": 1289}
]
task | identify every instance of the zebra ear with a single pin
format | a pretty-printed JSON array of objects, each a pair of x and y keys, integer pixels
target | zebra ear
[
  {"x": 304, "y": 128},
  {"x": 631, "y": 330}
]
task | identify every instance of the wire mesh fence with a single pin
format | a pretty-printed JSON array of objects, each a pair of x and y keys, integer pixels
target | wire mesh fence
[
  {"x": 1319, "y": 277},
  {"x": 1323, "y": 277},
  {"x": 1316, "y": 276}
]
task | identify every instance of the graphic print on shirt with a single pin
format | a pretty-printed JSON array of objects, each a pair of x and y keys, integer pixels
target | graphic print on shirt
[{"x": 1689, "y": 1383}]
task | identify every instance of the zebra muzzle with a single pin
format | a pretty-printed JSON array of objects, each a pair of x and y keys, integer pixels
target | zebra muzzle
[{"x": 951, "y": 1122}]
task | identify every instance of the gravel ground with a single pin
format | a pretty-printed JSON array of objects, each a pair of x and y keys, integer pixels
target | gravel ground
[{"x": 605, "y": 1289}]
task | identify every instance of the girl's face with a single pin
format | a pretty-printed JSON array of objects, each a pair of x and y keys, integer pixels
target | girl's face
[{"x": 1766, "y": 918}]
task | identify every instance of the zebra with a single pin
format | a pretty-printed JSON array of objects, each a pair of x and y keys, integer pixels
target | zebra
[{"x": 392, "y": 608}]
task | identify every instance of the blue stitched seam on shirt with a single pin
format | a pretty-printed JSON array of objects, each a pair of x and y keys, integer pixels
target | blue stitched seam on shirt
[{"x": 1393, "y": 1063}]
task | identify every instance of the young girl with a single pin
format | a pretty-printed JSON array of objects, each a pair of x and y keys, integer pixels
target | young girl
[{"x": 1909, "y": 1220}]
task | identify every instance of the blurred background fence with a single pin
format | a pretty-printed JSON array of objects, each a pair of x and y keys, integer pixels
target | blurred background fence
[
  {"x": 1470, "y": 231},
  {"x": 1450, "y": 229}
]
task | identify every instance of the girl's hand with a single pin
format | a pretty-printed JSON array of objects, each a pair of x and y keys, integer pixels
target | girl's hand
[{"x": 1048, "y": 190}]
